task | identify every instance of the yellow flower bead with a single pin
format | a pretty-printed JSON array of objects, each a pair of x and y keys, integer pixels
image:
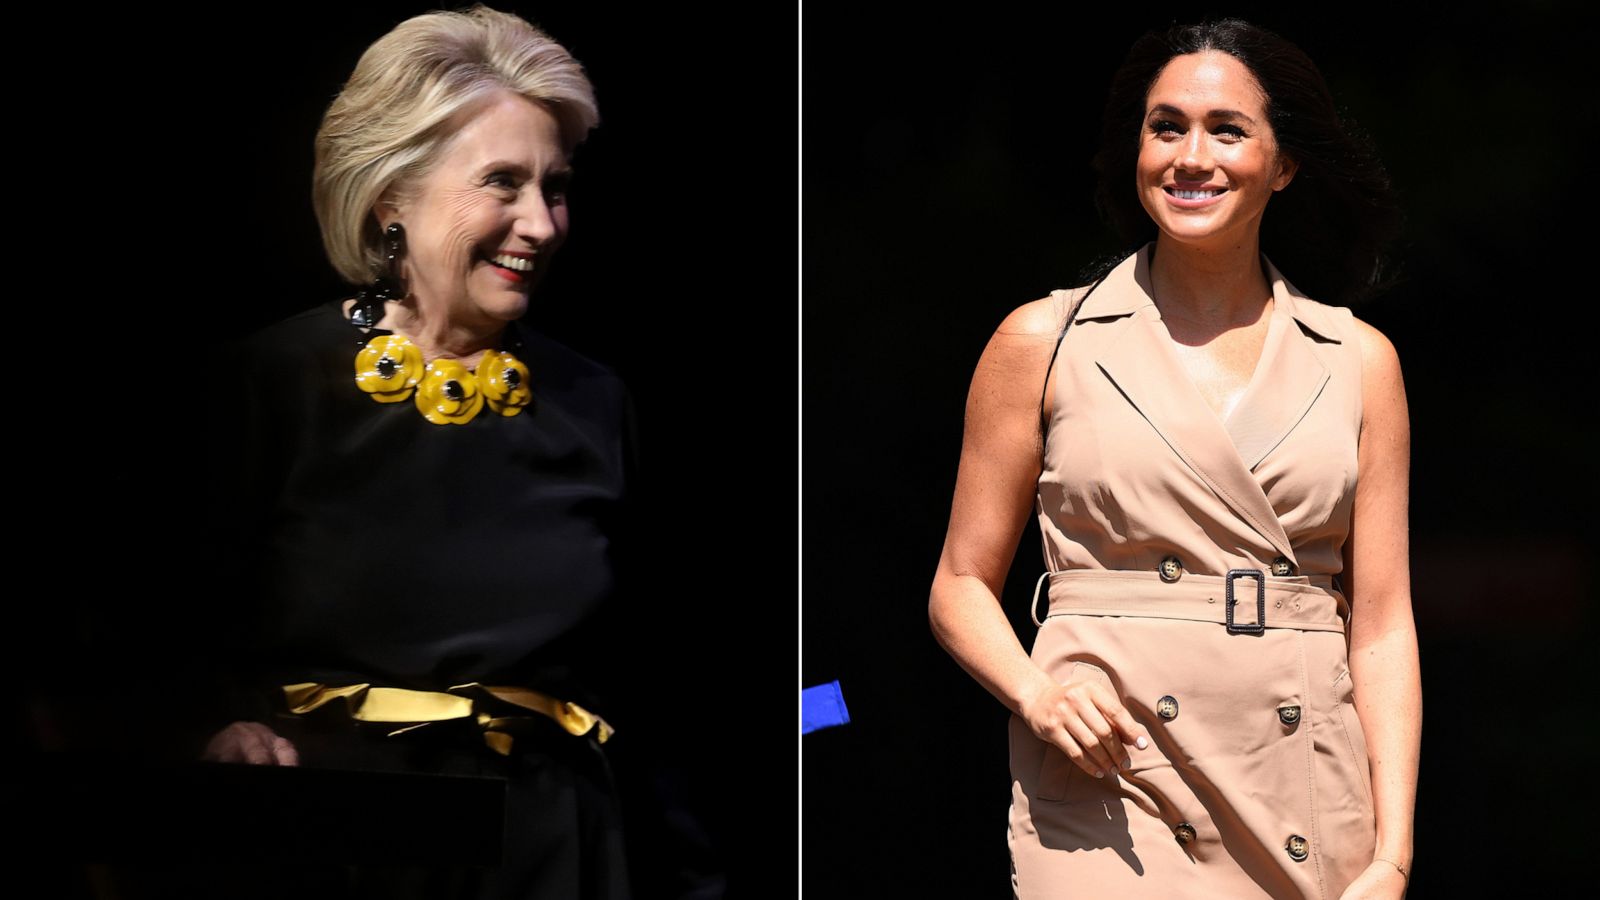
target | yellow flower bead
[
  {"x": 448, "y": 394},
  {"x": 388, "y": 368},
  {"x": 504, "y": 380}
]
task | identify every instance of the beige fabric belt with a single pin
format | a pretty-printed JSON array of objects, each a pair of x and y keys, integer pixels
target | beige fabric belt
[{"x": 1304, "y": 602}]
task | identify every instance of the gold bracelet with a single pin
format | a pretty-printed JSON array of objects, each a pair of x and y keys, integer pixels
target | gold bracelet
[{"x": 1396, "y": 867}]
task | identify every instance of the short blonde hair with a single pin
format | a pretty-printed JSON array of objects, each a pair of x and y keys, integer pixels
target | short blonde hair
[{"x": 406, "y": 100}]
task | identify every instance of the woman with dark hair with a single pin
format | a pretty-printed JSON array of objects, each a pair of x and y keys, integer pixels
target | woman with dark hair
[{"x": 1224, "y": 692}]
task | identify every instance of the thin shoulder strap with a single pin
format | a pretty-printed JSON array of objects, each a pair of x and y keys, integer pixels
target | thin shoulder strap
[{"x": 1045, "y": 389}]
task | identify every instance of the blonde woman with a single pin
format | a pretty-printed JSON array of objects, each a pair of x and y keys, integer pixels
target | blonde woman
[{"x": 427, "y": 492}]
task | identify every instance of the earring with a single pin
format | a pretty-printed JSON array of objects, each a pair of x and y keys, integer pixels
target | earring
[{"x": 368, "y": 308}]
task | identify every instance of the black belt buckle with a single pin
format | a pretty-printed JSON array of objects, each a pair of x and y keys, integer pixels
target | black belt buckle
[{"x": 1261, "y": 601}]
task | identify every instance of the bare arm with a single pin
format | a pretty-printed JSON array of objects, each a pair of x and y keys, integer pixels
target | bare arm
[
  {"x": 995, "y": 486},
  {"x": 1384, "y": 667}
]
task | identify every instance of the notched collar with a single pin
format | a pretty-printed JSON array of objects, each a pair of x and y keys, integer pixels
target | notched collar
[
  {"x": 1309, "y": 313},
  {"x": 1124, "y": 290},
  {"x": 1128, "y": 288}
]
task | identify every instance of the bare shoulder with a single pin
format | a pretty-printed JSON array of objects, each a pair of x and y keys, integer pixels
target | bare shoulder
[
  {"x": 1383, "y": 393},
  {"x": 1036, "y": 318},
  {"x": 1012, "y": 368},
  {"x": 1379, "y": 360}
]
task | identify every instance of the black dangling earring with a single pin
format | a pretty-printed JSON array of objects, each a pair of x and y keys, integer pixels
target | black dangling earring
[{"x": 368, "y": 308}]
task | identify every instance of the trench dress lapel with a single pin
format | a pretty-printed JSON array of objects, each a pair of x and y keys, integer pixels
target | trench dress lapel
[{"x": 1140, "y": 360}]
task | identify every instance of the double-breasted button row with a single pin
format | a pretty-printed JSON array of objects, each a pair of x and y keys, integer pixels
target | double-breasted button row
[
  {"x": 1296, "y": 846},
  {"x": 1167, "y": 708},
  {"x": 1171, "y": 567}
]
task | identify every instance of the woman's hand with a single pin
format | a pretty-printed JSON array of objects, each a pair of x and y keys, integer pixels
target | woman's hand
[
  {"x": 1088, "y": 723},
  {"x": 1380, "y": 881},
  {"x": 253, "y": 743}
]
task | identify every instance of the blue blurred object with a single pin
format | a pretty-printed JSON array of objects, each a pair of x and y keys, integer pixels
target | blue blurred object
[{"x": 822, "y": 707}]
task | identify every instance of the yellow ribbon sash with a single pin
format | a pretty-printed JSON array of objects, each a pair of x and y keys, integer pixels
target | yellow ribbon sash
[{"x": 366, "y": 703}]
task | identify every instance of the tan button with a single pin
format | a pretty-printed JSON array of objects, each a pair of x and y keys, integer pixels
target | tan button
[
  {"x": 1299, "y": 848},
  {"x": 1167, "y": 707},
  {"x": 1171, "y": 569},
  {"x": 1281, "y": 567},
  {"x": 1184, "y": 832},
  {"x": 1289, "y": 715}
]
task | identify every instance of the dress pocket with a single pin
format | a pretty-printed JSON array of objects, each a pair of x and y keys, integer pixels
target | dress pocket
[
  {"x": 1355, "y": 738},
  {"x": 1060, "y": 779}
]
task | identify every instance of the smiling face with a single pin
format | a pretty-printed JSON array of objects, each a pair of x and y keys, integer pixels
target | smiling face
[
  {"x": 1208, "y": 160},
  {"x": 482, "y": 225}
]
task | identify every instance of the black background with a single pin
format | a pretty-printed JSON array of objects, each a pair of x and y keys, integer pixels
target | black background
[
  {"x": 162, "y": 159},
  {"x": 160, "y": 176},
  {"x": 947, "y": 181}
]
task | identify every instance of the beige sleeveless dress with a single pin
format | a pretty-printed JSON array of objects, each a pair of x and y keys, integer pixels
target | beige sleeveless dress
[{"x": 1191, "y": 565}]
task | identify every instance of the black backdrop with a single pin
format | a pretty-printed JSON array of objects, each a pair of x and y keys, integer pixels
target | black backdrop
[
  {"x": 160, "y": 163},
  {"x": 162, "y": 160},
  {"x": 946, "y": 181}
]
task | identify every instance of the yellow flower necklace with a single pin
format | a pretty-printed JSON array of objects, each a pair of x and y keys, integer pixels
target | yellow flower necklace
[{"x": 390, "y": 369}]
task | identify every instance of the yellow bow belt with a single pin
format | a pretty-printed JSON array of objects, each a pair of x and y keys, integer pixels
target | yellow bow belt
[{"x": 366, "y": 703}]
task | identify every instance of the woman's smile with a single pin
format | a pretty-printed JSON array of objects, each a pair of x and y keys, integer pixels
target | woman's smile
[
  {"x": 1193, "y": 198},
  {"x": 516, "y": 268}
]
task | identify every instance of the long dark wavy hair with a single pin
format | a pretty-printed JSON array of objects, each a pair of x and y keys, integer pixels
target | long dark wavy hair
[{"x": 1328, "y": 231}]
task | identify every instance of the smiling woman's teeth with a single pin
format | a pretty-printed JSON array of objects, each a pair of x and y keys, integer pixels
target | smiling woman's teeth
[
  {"x": 1194, "y": 195},
  {"x": 515, "y": 263}
]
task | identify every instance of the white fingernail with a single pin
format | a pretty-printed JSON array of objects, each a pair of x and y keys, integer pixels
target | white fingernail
[{"x": 1141, "y": 743}]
